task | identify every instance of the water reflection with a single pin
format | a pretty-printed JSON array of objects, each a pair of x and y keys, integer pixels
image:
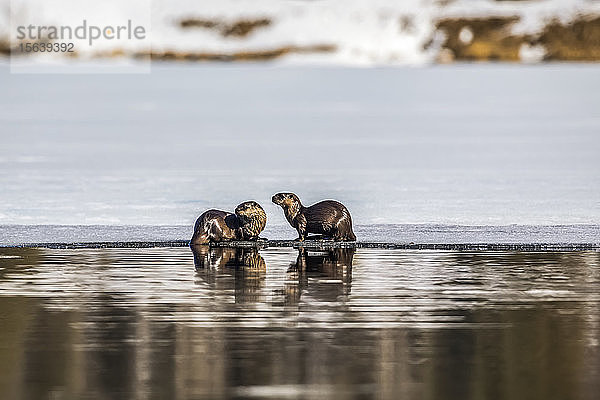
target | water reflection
[
  {"x": 219, "y": 258},
  {"x": 244, "y": 267},
  {"x": 280, "y": 323},
  {"x": 326, "y": 273}
]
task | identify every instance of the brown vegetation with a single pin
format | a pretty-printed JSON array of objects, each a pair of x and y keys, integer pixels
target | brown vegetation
[
  {"x": 239, "y": 28},
  {"x": 578, "y": 40},
  {"x": 5, "y": 49},
  {"x": 258, "y": 55},
  {"x": 243, "y": 27},
  {"x": 466, "y": 39},
  {"x": 198, "y": 23},
  {"x": 490, "y": 38}
]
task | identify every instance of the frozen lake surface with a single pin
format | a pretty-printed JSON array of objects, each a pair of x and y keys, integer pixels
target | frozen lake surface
[
  {"x": 285, "y": 323},
  {"x": 460, "y": 145},
  {"x": 11, "y": 235}
]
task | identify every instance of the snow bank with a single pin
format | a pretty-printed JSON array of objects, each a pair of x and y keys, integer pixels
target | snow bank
[{"x": 357, "y": 32}]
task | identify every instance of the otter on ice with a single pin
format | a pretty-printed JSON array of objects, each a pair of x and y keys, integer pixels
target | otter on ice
[
  {"x": 246, "y": 223},
  {"x": 328, "y": 218}
]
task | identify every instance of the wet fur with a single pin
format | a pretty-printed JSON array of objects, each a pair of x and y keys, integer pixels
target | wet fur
[
  {"x": 246, "y": 223},
  {"x": 328, "y": 218}
]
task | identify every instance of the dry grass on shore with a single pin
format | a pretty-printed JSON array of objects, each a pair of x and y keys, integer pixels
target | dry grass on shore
[{"x": 490, "y": 39}]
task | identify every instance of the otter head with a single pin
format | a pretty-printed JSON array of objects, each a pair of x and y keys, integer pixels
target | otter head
[
  {"x": 252, "y": 217},
  {"x": 289, "y": 202}
]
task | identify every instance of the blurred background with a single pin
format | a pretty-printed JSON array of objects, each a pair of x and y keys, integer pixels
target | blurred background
[{"x": 351, "y": 32}]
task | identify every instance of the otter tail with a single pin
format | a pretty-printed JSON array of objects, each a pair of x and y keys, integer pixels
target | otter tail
[
  {"x": 350, "y": 236},
  {"x": 344, "y": 230}
]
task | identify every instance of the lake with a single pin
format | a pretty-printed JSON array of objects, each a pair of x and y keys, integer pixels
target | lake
[{"x": 221, "y": 323}]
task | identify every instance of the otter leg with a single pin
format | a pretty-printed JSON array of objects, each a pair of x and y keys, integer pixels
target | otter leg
[
  {"x": 301, "y": 233},
  {"x": 257, "y": 239},
  {"x": 339, "y": 236},
  {"x": 301, "y": 227},
  {"x": 316, "y": 237},
  {"x": 199, "y": 238},
  {"x": 344, "y": 233}
]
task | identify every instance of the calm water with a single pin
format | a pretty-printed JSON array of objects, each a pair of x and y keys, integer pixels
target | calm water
[{"x": 287, "y": 323}]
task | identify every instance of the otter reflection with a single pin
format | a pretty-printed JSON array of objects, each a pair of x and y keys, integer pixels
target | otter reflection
[
  {"x": 324, "y": 274},
  {"x": 226, "y": 268}
]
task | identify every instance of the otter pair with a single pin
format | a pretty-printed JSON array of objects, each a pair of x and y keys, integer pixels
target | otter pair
[{"x": 328, "y": 218}]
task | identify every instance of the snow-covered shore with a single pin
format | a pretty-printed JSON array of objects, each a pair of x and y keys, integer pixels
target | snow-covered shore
[{"x": 346, "y": 32}]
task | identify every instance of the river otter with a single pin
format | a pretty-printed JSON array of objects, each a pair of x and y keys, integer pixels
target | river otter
[
  {"x": 329, "y": 218},
  {"x": 246, "y": 223}
]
